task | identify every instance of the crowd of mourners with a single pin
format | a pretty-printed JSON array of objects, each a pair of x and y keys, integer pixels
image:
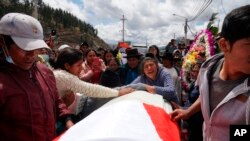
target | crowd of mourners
[
  {"x": 75, "y": 69},
  {"x": 41, "y": 86}
]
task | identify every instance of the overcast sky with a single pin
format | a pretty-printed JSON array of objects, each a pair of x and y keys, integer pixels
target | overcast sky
[{"x": 146, "y": 20}]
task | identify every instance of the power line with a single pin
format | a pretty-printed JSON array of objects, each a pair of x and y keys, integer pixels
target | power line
[
  {"x": 202, "y": 9},
  {"x": 223, "y": 7},
  {"x": 195, "y": 9},
  {"x": 191, "y": 30}
]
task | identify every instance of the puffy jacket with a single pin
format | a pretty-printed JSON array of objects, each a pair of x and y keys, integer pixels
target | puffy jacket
[
  {"x": 234, "y": 109},
  {"x": 29, "y": 103}
]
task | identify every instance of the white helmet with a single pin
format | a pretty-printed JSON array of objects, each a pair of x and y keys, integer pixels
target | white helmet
[{"x": 63, "y": 47}]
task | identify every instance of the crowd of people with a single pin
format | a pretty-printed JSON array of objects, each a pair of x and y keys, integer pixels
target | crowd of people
[{"x": 44, "y": 91}]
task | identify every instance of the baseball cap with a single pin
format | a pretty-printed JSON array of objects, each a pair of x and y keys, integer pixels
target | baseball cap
[{"x": 25, "y": 31}]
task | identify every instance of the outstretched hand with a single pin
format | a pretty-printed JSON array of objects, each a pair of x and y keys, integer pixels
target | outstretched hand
[
  {"x": 178, "y": 114},
  {"x": 150, "y": 89},
  {"x": 125, "y": 90}
]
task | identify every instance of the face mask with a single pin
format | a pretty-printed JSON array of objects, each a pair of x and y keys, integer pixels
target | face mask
[
  {"x": 45, "y": 57},
  {"x": 9, "y": 60},
  {"x": 5, "y": 51}
]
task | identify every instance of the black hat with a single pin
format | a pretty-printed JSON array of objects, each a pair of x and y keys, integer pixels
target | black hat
[
  {"x": 132, "y": 53},
  {"x": 151, "y": 55},
  {"x": 168, "y": 56},
  {"x": 84, "y": 44}
]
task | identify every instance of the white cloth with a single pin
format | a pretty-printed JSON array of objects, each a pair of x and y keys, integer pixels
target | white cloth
[{"x": 126, "y": 119}]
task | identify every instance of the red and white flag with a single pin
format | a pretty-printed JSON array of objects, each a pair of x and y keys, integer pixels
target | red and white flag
[{"x": 144, "y": 117}]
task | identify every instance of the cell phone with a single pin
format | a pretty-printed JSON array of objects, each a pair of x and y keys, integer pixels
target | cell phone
[{"x": 96, "y": 60}]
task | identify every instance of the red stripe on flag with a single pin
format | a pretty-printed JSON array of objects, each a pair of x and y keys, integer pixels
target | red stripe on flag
[
  {"x": 58, "y": 137},
  {"x": 165, "y": 127}
]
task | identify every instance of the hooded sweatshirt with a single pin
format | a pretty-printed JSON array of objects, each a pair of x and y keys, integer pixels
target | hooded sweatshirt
[{"x": 232, "y": 110}]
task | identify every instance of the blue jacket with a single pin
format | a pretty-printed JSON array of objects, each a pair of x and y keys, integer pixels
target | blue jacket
[{"x": 128, "y": 74}]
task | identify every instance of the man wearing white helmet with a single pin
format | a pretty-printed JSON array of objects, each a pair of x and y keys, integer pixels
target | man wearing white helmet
[
  {"x": 63, "y": 47},
  {"x": 29, "y": 102}
]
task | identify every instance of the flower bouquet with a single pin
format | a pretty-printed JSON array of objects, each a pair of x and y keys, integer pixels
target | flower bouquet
[{"x": 202, "y": 48}]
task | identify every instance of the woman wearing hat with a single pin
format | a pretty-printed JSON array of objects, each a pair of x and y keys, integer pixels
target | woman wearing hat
[{"x": 131, "y": 68}]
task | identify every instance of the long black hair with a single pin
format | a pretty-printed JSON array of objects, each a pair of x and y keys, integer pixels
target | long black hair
[
  {"x": 157, "y": 52},
  {"x": 68, "y": 55}
]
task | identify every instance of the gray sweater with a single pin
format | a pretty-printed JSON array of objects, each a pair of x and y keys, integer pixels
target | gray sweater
[{"x": 163, "y": 84}]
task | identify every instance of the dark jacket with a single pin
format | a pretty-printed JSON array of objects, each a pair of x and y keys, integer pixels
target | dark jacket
[
  {"x": 111, "y": 78},
  {"x": 196, "y": 120},
  {"x": 128, "y": 75},
  {"x": 29, "y": 103}
]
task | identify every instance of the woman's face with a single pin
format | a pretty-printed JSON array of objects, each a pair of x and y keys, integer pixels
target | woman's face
[
  {"x": 153, "y": 51},
  {"x": 76, "y": 68},
  {"x": 108, "y": 56},
  {"x": 113, "y": 65},
  {"x": 90, "y": 56},
  {"x": 150, "y": 69},
  {"x": 133, "y": 62}
]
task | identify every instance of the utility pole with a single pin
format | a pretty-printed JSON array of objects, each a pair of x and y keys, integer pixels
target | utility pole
[
  {"x": 35, "y": 11},
  {"x": 218, "y": 24},
  {"x": 185, "y": 27},
  {"x": 185, "y": 30},
  {"x": 123, "y": 30}
]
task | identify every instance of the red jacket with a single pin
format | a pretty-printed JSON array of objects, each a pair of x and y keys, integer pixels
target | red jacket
[{"x": 29, "y": 103}]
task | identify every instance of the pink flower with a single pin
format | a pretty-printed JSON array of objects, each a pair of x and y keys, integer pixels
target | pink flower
[{"x": 201, "y": 48}]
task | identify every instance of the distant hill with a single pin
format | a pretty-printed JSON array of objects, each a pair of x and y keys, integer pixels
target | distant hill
[{"x": 69, "y": 29}]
